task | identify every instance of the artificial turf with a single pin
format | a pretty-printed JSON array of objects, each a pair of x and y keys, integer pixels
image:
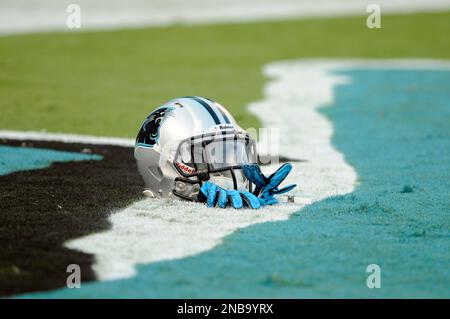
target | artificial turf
[
  {"x": 106, "y": 83},
  {"x": 392, "y": 127}
]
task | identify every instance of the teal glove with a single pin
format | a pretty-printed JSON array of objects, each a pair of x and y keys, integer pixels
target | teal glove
[
  {"x": 213, "y": 196},
  {"x": 267, "y": 187}
]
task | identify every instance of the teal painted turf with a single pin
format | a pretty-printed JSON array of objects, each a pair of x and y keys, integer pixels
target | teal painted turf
[
  {"x": 394, "y": 127},
  {"x": 13, "y": 159}
]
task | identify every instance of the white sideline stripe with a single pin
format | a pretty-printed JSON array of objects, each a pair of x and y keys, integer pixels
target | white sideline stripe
[
  {"x": 66, "y": 138},
  {"x": 26, "y": 16}
]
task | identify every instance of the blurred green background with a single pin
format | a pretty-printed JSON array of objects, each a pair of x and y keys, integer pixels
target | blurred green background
[{"x": 106, "y": 83}]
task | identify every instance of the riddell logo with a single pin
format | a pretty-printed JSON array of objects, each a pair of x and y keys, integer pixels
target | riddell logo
[
  {"x": 224, "y": 126},
  {"x": 184, "y": 168}
]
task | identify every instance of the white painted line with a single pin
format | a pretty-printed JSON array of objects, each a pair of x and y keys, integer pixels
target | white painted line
[
  {"x": 50, "y": 15},
  {"x": 66, "y": 138}
]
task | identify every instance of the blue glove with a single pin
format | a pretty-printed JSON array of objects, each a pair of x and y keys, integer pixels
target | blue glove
[
  {"x": 214, "y": 195},
  {"x": 267, "y": 187}
]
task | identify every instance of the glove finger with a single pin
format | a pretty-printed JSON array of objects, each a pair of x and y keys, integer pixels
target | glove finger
[
  {"x": 253, "y": 173},
  {"x": 212, "y": 195},
  {"x": 279, "y": 175},
  {"x": 261, "y": 201},
  {"x": 223, "y": 199},
  {"x": 268, "y": 198},
  {"x": 250, "y": 200},
  {"x": 284, "y": 189},
  {"x": 235, "y": 198},
  {"x": 271, "y": 201}
]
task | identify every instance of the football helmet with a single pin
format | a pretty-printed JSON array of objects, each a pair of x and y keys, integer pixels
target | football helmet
[{"x": 188, "y": 141}]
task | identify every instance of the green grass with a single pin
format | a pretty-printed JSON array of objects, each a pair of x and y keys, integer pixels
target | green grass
[{"x": 105, "y": 83}]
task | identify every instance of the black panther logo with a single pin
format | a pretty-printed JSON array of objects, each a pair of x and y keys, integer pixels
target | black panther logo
[{"x": 149, "y": 133}]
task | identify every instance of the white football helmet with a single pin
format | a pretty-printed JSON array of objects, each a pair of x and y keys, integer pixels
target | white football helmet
[{"x": 187, "y": 141}]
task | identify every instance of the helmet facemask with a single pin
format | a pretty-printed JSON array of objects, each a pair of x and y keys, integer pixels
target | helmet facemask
[{"x": 217, "y": 157}]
